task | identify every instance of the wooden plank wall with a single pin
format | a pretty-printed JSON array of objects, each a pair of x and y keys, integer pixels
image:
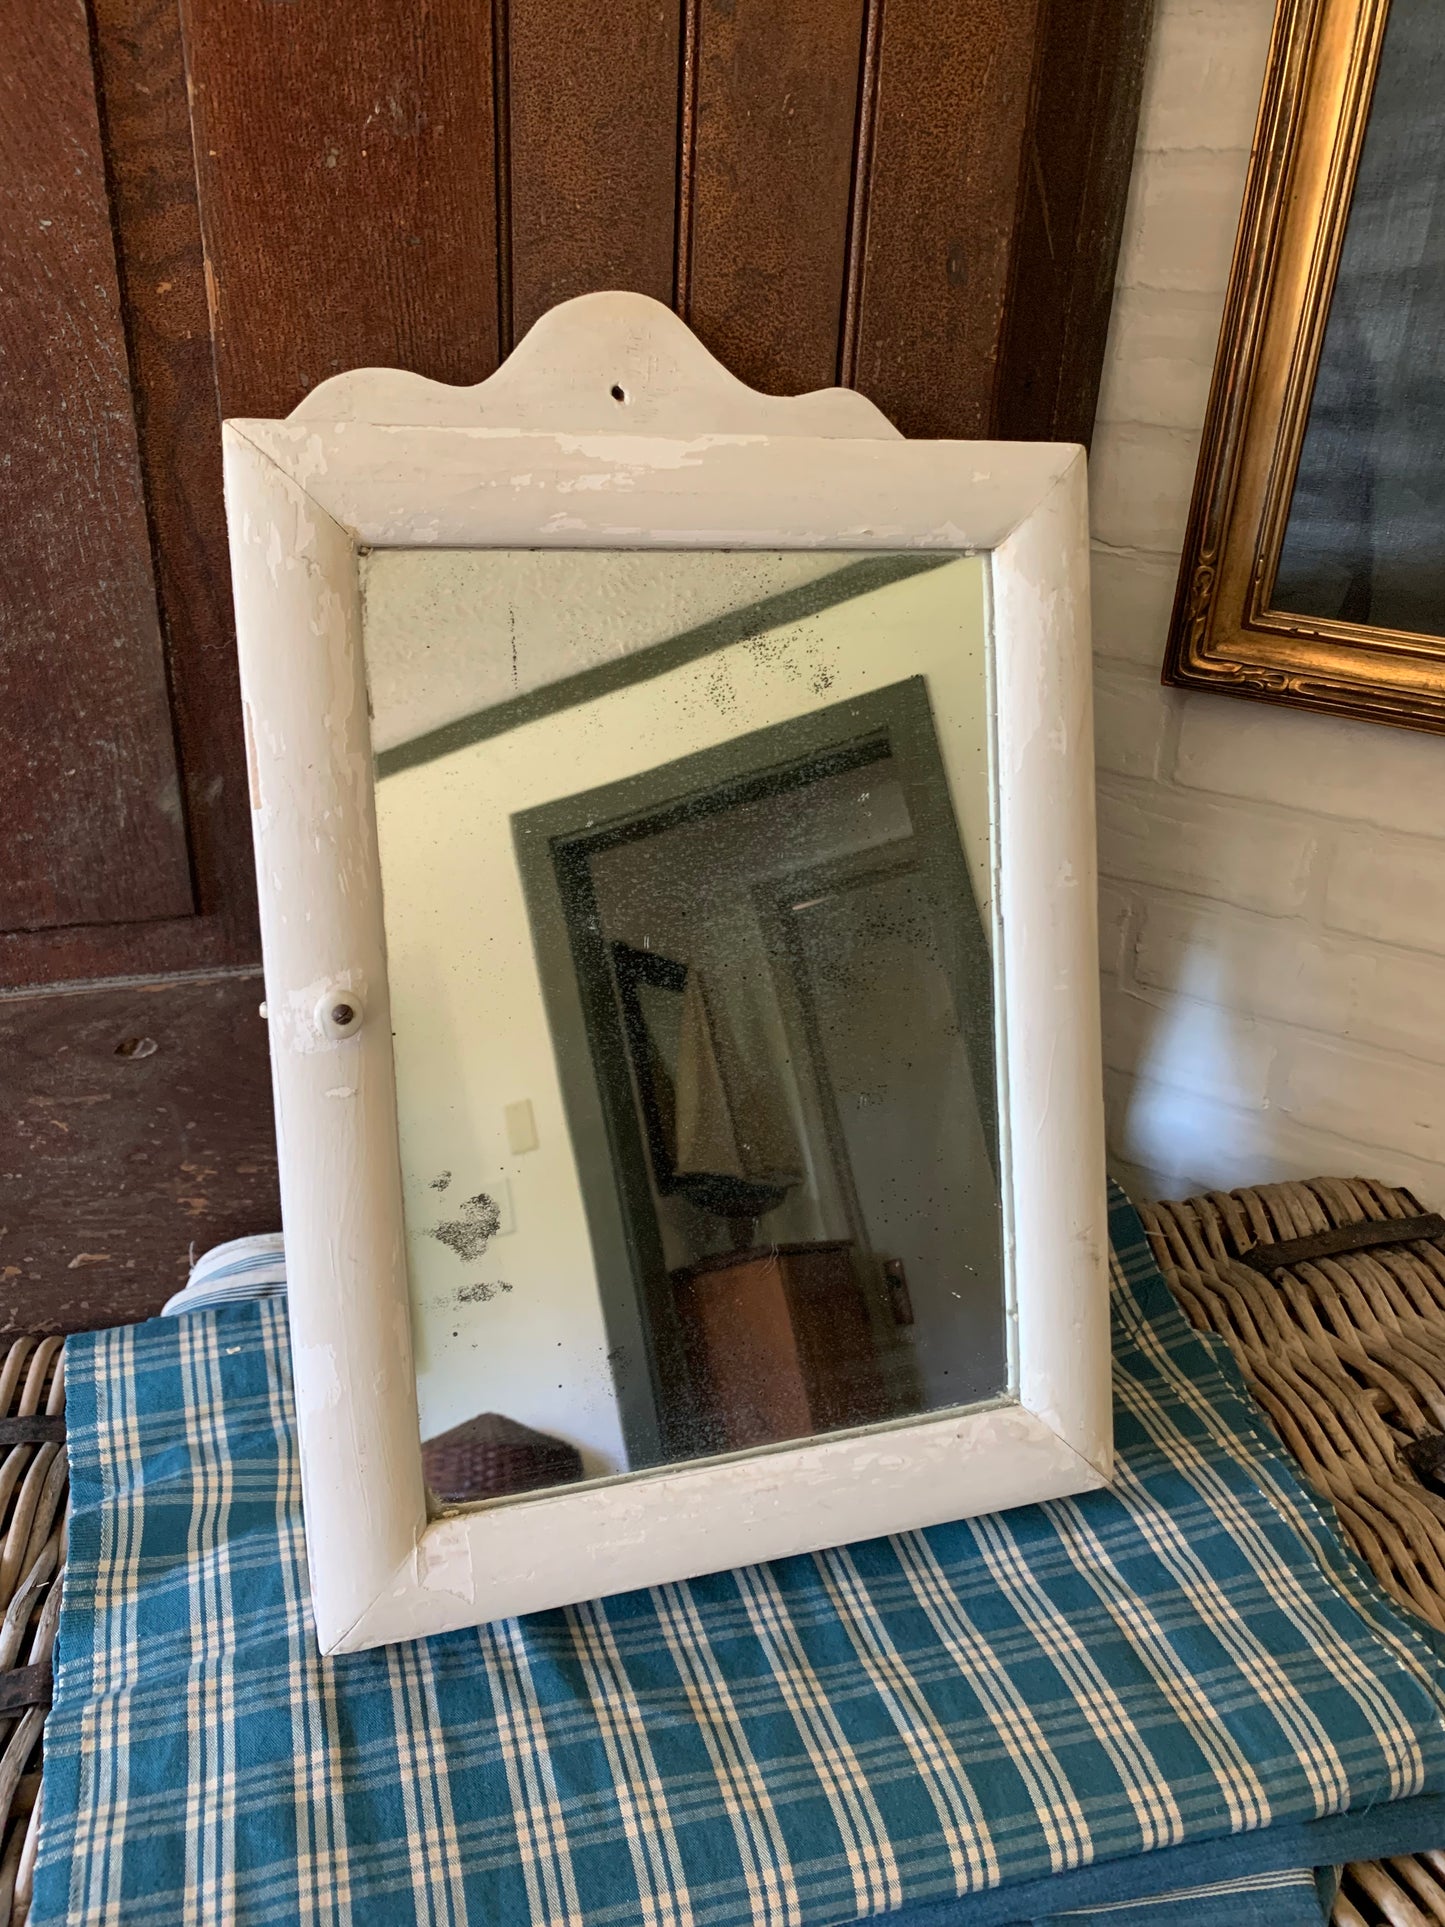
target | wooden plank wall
[
  {"x": 211, "y": 205},
  {"x": 84, "y": 716}
]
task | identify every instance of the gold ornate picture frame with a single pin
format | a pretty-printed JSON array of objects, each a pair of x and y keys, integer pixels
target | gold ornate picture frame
[{"x": 1242, "y": 625}]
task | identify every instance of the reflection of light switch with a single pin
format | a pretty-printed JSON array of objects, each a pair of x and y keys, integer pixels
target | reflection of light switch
[
  {"x": 521, "y": 1126},
  {"x": 506, "y": 1215}
]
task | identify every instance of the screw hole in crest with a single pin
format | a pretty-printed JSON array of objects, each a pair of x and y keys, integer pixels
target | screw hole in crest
[{"x": 619, "y": 393}]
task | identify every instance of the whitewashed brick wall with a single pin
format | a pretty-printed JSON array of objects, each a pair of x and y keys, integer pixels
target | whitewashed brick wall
[{"x": 1273, "y": 894}]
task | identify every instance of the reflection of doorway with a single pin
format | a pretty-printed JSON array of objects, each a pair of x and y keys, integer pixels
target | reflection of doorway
[
  {"x": 878, "y": 1002},
  {"x": 666, "y": 887}
]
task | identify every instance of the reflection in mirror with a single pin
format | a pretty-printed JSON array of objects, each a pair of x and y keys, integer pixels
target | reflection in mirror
[
  {"x": 686, "y": 864},
  {"x": 1362, "y": 536}
]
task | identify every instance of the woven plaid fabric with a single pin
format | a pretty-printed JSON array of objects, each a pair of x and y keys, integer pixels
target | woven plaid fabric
[{"x": 1015, "y": 1705}]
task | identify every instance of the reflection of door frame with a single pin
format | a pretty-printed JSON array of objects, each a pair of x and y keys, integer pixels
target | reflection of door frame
[
  {"x": 632, "y": 969},
  {"x": 775, "y": 907},
  {"x": 778, "y": 900},
  {"x": 555, "y": 843}
]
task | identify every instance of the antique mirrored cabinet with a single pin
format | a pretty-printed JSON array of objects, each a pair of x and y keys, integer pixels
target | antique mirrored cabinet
[{"x": 674, "y": 824}]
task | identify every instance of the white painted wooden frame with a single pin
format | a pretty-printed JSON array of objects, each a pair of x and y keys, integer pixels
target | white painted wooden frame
[{"x": 610, "y": 427}]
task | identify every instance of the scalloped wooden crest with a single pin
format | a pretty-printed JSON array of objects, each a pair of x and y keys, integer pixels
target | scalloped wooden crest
[{"x": 622, "y": 363}]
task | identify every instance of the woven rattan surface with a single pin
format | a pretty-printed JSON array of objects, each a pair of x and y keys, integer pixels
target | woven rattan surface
[
  {"x": 1345, "y": 1350},
  {"x": 34, "y": 1487}
]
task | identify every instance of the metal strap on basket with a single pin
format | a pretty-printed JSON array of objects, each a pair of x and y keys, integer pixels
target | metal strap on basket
[{"x": 1368, "y": 1235}]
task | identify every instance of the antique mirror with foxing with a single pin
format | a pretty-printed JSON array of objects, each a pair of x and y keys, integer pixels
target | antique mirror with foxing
[
  {"x": 673, "y": 815},
  {"x": 1314, "y": 564}
]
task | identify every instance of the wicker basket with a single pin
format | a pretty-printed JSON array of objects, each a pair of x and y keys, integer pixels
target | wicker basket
[
  {"x": 34, "y": 1489},
  {"x": 1331, "y": 1295},
  {"x": 491, "y": 1457}
]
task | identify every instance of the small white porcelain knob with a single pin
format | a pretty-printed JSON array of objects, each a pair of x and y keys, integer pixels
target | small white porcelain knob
[{"x": 339, "y": 1014}]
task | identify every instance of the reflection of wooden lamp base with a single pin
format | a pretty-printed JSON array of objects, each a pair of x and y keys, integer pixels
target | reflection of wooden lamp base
[{"x": 779, "y": 1344}]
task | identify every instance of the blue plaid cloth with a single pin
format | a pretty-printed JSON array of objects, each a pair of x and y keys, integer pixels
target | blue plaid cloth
[{"x": 1181, "y": 1680}]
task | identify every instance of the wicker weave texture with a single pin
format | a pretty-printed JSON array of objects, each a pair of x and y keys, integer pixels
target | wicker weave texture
[
  {"x": 34, "y": 1493},
  {"x": 492, "y": 1457},
  {"x": 1346, "y": 1353}
]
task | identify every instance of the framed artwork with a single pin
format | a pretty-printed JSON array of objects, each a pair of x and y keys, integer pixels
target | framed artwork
[
  {"x": 1314, "y": 564},
  {"x": 673, "y": 811}
]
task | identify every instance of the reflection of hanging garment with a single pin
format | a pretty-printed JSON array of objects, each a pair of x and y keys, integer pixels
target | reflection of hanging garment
[
  {"x": 728, "y": 1124},
  {"x": 706, "y": 1138}
]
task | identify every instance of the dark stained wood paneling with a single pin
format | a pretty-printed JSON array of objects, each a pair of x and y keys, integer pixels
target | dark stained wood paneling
[
  {"x": 88, "y": 951},
  {"x": 158, "y": 240},
  {"x": 1089, "y": 75},
  {"x": 88, "y": 790},
  {"x": 346, "y": 163},
  {"x": 593, "y": 110},
  {"x": 137, "y": 1123},
  {"x": 145, "y": 115},
  {"x": 953, "y": 93},
  {"x": 768, "y": 184}
]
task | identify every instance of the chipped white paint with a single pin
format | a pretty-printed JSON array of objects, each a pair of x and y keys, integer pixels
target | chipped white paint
[
  {"x": 545, "y": 455},
  {"x": 562, "y": 377}
]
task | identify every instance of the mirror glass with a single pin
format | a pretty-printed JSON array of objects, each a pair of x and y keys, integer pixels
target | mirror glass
[
  {"x": 687, "y": 868},
  {"x": 1362, "y": 537}
]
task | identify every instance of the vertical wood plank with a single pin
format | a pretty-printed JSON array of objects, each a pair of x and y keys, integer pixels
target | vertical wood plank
[
  {"x": 141, "y": 67},
  {"x": 345, "y": 160},
  {"x": 953, "y": 92},
  {"x": 593, "y": 88},
  {"x": 770, "y": 185},
  {"x": 1089, "y": 78},
  {"x": 863, "y": 143},
  {"x": 88, "y": 783}
]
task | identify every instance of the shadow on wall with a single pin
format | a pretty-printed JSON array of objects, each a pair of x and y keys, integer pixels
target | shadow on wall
[
  {"x": 1211, "y": 1084},
  {"x": 1186, "y": 1083}
]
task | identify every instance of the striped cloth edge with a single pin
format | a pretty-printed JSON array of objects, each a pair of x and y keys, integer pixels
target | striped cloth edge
[{"x": 230, "y": 1273}]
